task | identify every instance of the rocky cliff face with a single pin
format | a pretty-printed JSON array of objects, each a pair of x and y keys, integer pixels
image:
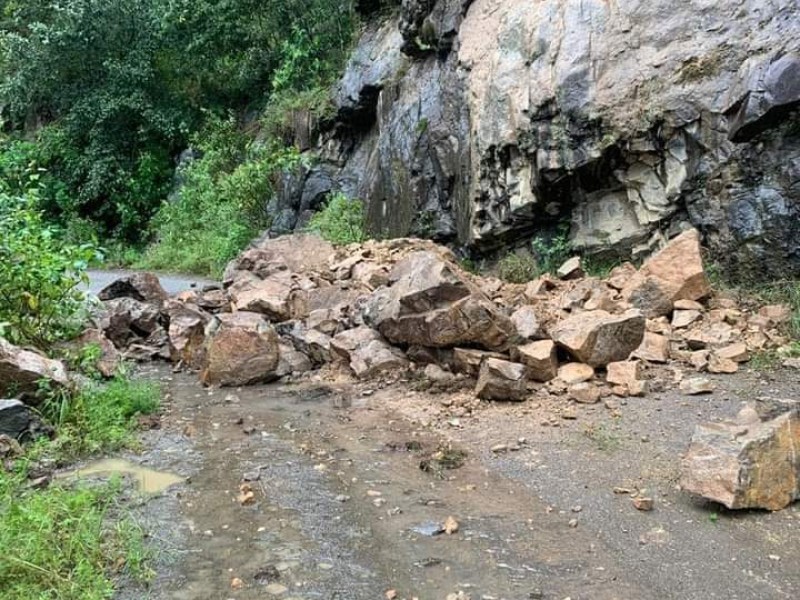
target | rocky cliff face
[{"x": 484, "y": 123}]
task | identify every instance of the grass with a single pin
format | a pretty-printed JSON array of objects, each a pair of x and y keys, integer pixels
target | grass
[
  {"x": 605, "y": 440},
  {"x": 516, "y": 268},
  {"x": 71, "y": 541},
  {"x": 66, "y": 543}
]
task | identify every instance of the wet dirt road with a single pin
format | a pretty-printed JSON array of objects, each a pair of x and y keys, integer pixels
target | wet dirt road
[{"x": 341, "y": 509}]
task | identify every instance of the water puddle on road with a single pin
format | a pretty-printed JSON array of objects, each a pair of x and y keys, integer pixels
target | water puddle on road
[{"x": 149, "y": 481}]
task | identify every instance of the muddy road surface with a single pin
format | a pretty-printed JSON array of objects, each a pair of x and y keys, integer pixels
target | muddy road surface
[{"x": 312, "y": 491}]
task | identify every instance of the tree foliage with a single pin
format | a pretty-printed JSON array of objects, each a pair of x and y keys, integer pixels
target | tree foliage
[{"x": 112, "y": 90}]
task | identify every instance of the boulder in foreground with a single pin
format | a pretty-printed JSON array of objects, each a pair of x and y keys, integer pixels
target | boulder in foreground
[
  {"x": 22, "y": 370},
  {"x": 597, "y": 338},
  {"x": 751, "y": 463}
]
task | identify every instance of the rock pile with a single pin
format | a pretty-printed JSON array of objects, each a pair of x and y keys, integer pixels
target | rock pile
[{"x": 293, "y": 304}]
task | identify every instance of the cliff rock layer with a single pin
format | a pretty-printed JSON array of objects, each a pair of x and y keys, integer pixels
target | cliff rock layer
[{"x": 487, "y": 122}]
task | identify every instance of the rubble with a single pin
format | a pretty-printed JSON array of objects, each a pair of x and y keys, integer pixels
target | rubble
[
  {"x": 293, "y": 304},
  {"x": 20, "y": 422}
]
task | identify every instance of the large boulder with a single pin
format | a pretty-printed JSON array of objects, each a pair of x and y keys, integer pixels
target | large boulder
[
  {"x": 430, "y": 303},
  {"x": 20, "y": 422},
  {"x": 240, "y": 349},
  {"x": 367, "y": 353},
  {"x": 598, "y": 338},
  {"x": 22, "y": 371},
  {"x": 144, "y": 287},
  {"x": 271, "y": 296},
  {"x": 501, "y": 380},
  {"x": 751, "y": 463},
  {"x": 674, "y": 273}
]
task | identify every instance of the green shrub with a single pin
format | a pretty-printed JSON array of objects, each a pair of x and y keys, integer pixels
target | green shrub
[
  {"x": 341, "y": 221},
  {"x": 61, "y": 542},
  {"x": 552, "y": 251},
  {"x": 516, "y": 268},
  {"x": 40, "y": 275},
  {"x": 221, "y": 205}
]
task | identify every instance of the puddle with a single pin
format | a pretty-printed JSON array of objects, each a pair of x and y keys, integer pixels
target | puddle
[{"x": 149, "y": 481}]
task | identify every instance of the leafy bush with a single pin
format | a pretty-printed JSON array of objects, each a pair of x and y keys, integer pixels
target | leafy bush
[
  {"x": 516, "y": 268},
  {"x": 221, "y": 205},
  {"x": 552, "y": 251},
  {"x": 341, "y": 221},
  {"x": 40, "y": 276}
]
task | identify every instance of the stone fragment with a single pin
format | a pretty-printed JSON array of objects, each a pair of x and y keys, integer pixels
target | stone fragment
[
  {"x": 541, "y": 360},
  {"x": 721, "y": 365},
  {"x": 144, "y": 287},
  {"x": 126, "y": 320},
  {"x": 469, "y": 360},
  {"x": 527, "y": 323},
  {"x": 21, "y": 372},
  {"x": 186, "y": 333},
  {"x": 598, "y": 338},
  {"x": 571, "y": 269},
  {"x": 538, "y": 288},
  {"x": 620, "y": 275},
  {"x": 684, "y": 318},
  {"x": 697, "y": 385},
  {"x": 685, "y": 304},
  {"x": 699, "y": 359},
  {"x": 298, "y": 253},
  {"x": 643, "y": 503},
  {"x": 291, "y": 361},
  {"x": 314, "y": 344},
  {"x": 736, "y": 352},
  {"x": 367, "y": 352},
  {"x": 20, "y": 422},
  {"x": 501, "y": 380},
  {"x": 271, "y": 297},
  {"x": 584, "y": 393},
  {"x": 776, "y": 313},
  {"x": 241, "y": 349},
  {"x": 624, "y": 372},
  {"x": 430, "y": 303},
  {"x": 746, "y": 465},
  {"x": 572, "y": 373},
  {"x": 654, "y": 348}
]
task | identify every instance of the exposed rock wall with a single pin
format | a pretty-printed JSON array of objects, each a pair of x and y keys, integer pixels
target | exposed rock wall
[{"x": 487, "y": 122}]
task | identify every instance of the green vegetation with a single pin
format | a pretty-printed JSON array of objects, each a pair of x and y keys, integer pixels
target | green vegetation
[
  {"x": 65, "y": 543},
  {"x": 74, "y": 541},
  {"x": 222, "y": 204},
  {"x": 518, "y": 268},
  {"x": 40, "y": 301},
  {"x": 341, "y": 221},
  {"x": 99, "y": 97}
]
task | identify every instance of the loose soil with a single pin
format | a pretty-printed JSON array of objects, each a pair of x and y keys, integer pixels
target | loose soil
[{"x": 342, "y": 510}]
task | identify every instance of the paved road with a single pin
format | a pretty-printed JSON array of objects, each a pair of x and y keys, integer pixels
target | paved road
[{"x": 173, "y": 284}]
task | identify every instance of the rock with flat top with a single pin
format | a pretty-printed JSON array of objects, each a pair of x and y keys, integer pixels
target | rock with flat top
[
  {"x": 736, "y": 352},
  {"x": 541, "y": 360},
  {"x": 21, "y": 372},
  {"x": 469, "y": 360},
  {"x": 584, "y": 393},
  {"x": 654, "y": 348},
  {"x": 572, "y": 373},
  {"x": 367, "y": 352},
  {"x": 430, "y": 302},
  {"x": 144, "y": 287},
  {"x": 598, "y": 338},
  {"x": 750, "y": 463},
  {"x": 502, "y": 380},
  {"x": 695, "y": 386},
  {"x": 571, "y": 269}
]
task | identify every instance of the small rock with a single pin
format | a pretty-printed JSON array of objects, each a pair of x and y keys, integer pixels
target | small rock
[
  {"x": 572, "y": 373},
  {"x": 571, "y": 269},
  {"x": 390, "y": 594},
  {"x": 696, "y": 386},
  {"x": 451, "y": 526},
  {"x": 573, "y": 523},
  {"x": 584, "y": 393},
  {"x": 236, "y": 583},
  {"x": 722, "y": 365},
  {"x": 643, "y": 503},
  {"x": 497, "y": 449}
]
